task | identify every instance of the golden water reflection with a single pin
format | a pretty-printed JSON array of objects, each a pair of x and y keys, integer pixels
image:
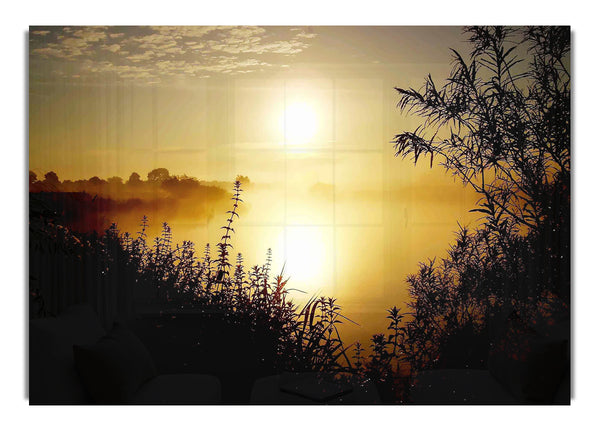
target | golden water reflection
[{"x": 343, "y": 249}]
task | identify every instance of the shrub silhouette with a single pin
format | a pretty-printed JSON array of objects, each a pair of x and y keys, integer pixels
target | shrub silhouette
[
  {"x": 501, "y": 130},
  {"x": 172, "y": 275},
  {"x": 501, "y": 125}
]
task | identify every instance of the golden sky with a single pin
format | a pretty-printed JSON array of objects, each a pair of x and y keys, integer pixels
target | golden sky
[
  {"x": 307, "y": 113},
  {"x": 148, "y": 97}
]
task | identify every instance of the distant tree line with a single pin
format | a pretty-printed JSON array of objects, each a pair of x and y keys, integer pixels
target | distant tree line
[
  {"x": 157, "y": 181},
  {"x": 94, "y": 204}
]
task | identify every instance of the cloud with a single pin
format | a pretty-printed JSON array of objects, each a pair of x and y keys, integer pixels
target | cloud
[
  {"x": 186, "y": 31},
  {"x": 91, "y": 34},
  {"x": 113, "y": 48},
  {"x": 254, "y": 40},
  {"x": 126, "y": 71},
  {"x": 68, "y": 43},
  {"x": 49, "y": 51},
  {"x": 153, "y": 54},
  {"x": 146, "y": 55}
]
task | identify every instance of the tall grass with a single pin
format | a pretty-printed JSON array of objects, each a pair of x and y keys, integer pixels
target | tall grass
[
  {"x": 163, "y": 274},
  {"x": 171, "y": 276}
]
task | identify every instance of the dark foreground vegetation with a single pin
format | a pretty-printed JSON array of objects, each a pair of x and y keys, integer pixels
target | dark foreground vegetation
[
  {"x": 240, "y": 319},
  {"x": 501, "y": 124}
]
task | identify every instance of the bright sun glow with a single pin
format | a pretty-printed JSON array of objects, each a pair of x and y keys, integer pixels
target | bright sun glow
[
  {"x": 308, "y": 254},
  {"x": 299, "y": 123}
]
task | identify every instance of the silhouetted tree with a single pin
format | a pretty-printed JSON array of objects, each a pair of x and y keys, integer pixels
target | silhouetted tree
[
  {"x": 181, "y": 186},
  {"x": 32, "y": 177},
  {"x": 96, "y": 181},
  {"x": 134, "y": 179},
  {"x": 501, "y": 124},
  {"x": 51, "y": 181},
  {"x": 158, "y": 175},
  {"x": 115, "y": 181},
  {"x": 51, "y": 177}
]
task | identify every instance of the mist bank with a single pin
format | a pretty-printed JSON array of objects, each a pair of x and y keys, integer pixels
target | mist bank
[
  {"x": 357, "y": 243},
  {"x": 93, "y": 204}
]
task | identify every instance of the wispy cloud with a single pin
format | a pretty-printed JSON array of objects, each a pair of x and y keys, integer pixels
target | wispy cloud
[
  {"x": 112, "y": 48},
  {"x": 156, "y": 53}
]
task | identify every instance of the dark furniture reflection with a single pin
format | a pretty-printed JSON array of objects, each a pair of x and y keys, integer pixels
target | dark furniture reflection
[
  {"x": 275, "y": 390},
  {"x": 54, "y": 379}
]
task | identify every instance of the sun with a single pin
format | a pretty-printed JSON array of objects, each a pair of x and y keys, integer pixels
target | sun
[{"x": 299, "y": 124}]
